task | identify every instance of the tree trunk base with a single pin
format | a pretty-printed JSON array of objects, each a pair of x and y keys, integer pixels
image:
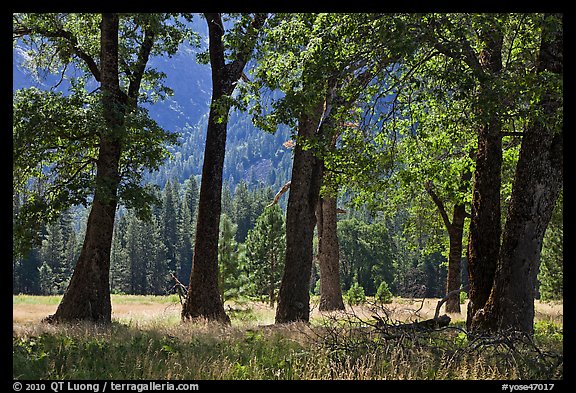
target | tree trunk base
[
  {"x": 330, "y": 306},
  {"x": 214, "y": 314}
]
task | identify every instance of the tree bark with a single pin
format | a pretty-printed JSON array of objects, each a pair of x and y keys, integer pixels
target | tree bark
[
  {"x": 328, "y": 255},
  {"x": 88, "y": 294},
  {"x": 294, "y": 294},
  {"x": 307, "y": 177},
  {"x": 454, "y": 280},
  {"x": 537, "y": 183},
  {"x": 203, "y": 299},
  {"x": 455, "y": 230},
  {"x": 485, "y": 225}
]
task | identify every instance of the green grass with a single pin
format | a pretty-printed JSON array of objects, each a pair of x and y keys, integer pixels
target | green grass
[
  {"x": 31, "y": 299},
  {"x": 165, "y": 348},
  {"x": 117, "y": 299},
  {"x": 144, "y": 299},
  {"x": 190, "y": 351}
]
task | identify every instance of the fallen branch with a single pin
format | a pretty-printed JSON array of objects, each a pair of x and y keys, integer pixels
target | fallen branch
[{"x": 444, "y": 299}]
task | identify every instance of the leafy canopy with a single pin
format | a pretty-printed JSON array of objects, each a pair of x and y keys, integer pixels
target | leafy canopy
[{"x": 57, "y": 135}]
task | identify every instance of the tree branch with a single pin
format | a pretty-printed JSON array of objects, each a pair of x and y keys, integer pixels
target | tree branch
[
  {"x": 138, "y": 72},
  {"x": 235, "y": 68},
  {"x": 66, "y": 35},
  {"x": 444, "y": 299},
  {"x": 428, "y": 186},
  {"x": 284, "y": 188},
  {"x": 461, "y": 50}
]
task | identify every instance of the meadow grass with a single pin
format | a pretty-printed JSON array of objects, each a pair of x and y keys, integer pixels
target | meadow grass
[
  {"x": 36, "y": 300},
  {"x": 159, "y": 346}
]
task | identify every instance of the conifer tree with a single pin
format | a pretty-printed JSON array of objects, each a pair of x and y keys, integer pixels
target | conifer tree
[
  {"x": 265, "y": 251},
  {"x": 169, "y": 224},
  {"x": 231, "y": 255},
  {"x": 243, "y": 215}
]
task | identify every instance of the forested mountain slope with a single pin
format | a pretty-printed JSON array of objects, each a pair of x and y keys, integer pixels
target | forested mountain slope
[{"x": 252, "y": 155}]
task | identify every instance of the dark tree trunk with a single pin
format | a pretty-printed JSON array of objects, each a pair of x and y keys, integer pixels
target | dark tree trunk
[
  {"x": 455, "y": 230},
  {"x": 537, "y": 183},
  {"x": 307, "y": 172},
  {"x": 454, "y": 280},
  {"x": 88, "y": 294},
  {"x": 294, "y": 294},
  {"x": 203, "y": 298},
  {"x": 328, "y": 255},
  {"x": 485, "y": 225}
]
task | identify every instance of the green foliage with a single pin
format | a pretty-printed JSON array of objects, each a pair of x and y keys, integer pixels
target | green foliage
[
  {"x": 142, "y": 263},
  {"x": 57, "y": 136},
  {"x": 355, "y": 294},
  {"x": 301, "y": 55},
  {"x": 231, "y": 260},
  {"x": 54, "y": 139},
  {"x": 548, "y": 333},
  {"x": 463, "y": 297},
  {"x": 383, "y": 294},
  {"x": 265, "y": 250},
  {"x": 25, "y": 273},
  {"x": 366, "y": 252},
  {"x": 551, "y": 275}
]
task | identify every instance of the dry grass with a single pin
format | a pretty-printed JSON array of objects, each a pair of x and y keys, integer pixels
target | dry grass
[{"x": 148, "y": 309}]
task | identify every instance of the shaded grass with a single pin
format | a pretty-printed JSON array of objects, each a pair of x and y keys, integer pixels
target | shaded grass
[
  {"x": 188, "y": 351},
  {"x": 210, "y": 351}
]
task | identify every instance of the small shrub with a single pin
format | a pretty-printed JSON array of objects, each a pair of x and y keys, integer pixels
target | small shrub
[
  {"x": 383, "y": 294},
  {"x": 463, "y": 297},
  {"x": 356, "y": 294}
]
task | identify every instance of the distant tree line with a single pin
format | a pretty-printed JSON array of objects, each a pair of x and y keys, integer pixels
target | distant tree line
[{"x": 251, "y": 251}]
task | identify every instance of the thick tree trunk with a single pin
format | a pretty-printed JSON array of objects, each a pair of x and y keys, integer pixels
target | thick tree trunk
[
  {"x": 88, "y": 294},
  {"x": 536, "y": 187},
  {"x": 485, "y": 225},
  {"x": 294, "y": 294},
  {"x": 307, "y": 172},
  {"x": 454, "y": 280},
  {"x": 203, "y": 299},
  {"x": 328, "y": 256}
]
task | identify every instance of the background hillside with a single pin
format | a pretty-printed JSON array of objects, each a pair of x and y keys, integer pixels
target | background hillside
[{"x": 253, "y": 155}]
